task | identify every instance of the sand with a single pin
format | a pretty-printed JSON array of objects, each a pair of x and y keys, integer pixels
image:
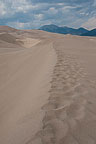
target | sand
[
  {"x": 47, "y": 88},
  {"x": 29, "y": 42}
]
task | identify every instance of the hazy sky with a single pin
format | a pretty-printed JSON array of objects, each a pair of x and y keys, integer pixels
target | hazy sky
[{"x": 26, "y": 14}]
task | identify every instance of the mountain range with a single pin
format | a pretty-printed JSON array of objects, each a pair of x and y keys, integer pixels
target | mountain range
[{"x": 67, "y": 30}]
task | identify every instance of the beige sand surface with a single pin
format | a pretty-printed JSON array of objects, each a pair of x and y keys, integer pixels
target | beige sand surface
[
  {"x": 24, "y": 85},
  {"x": 29, "y": 42},
  {"x": 47, "y": 88}
]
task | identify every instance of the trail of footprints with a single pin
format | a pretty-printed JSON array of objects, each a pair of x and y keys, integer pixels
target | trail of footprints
[{"x": 66, "y": 103}]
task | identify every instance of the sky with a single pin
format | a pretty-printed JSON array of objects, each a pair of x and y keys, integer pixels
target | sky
[{"x": 32, "y": 14}]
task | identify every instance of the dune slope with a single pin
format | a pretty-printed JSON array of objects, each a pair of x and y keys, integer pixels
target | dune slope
[{"x": 24, "y": 85}]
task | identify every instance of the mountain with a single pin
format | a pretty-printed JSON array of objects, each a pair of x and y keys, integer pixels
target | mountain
[
  {"x": 90, "y": 33},
  {"x": 50, "y": 28},
  {"x": 63, "y": 30}
]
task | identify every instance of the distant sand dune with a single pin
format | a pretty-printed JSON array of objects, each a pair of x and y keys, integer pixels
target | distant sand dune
[
  {"x": 7, "y": 29},
  {"x": 9, "y": 38},
  {"x": 29, "y": 42}
]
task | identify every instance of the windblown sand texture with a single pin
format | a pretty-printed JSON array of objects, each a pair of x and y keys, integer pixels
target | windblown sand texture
[{"x": 47, "y": 88}]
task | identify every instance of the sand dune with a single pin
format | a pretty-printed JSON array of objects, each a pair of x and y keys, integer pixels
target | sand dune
[
  {"x": 7, "y": 29},
  {"x": 29, "y": 42},
  {"x": 47, "y": 88},
  {"x": 9, "y": 38}
]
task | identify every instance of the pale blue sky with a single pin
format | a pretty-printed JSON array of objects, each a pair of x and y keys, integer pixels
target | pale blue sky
[{"x": 30, "y": 14}]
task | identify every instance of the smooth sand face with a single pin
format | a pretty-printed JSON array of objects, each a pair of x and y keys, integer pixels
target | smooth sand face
[
  {"x": 25, "y": 76},
  {"x": 29, "y": 42},
  {"x": 47, "y": 89}
]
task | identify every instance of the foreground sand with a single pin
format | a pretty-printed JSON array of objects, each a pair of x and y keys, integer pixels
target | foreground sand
[{"x": 47, "y": 88}]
